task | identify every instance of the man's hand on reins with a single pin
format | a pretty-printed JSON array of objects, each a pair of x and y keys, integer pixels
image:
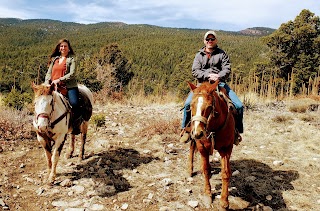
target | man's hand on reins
[{"x": 213, "y": 77}]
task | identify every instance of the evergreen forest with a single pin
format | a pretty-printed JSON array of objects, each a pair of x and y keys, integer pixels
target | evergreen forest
[{"x": 114, "y": 57}]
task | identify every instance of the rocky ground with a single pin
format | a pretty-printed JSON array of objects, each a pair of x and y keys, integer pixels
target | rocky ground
[{"x": 135, "y": 162}]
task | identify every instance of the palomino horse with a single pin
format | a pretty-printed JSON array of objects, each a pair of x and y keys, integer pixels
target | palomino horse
[
  {"x": 52, "y": 122},
  {"x": 212, "y": 127}
]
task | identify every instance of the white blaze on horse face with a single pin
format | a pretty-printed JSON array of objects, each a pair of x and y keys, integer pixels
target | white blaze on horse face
[
  {"x": 198, "y": 112},
  {"x": 43, "y": 106}
]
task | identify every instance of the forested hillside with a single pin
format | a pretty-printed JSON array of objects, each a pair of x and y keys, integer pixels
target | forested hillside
[
  {"x": 160, "y": 58},
  {"x": 117, "y": 57}
]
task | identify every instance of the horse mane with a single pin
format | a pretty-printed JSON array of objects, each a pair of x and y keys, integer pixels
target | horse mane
[
  {"x": 207, "y": 87},
  {"x": 42, "y": 89}
]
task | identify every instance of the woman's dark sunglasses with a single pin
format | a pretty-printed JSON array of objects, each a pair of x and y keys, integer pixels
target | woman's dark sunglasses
[{"x": 210, "y": 39}]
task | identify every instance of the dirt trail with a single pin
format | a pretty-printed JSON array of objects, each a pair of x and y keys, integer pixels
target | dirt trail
[{"x": 129, "y": 168}]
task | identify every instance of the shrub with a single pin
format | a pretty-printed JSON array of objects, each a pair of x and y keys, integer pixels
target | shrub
[
  {"x": 281, "y": 119},
  {"x": 16, "y": 99},
  {"x": 98, "y": 120},
  {"x": 299, "y": 108}
]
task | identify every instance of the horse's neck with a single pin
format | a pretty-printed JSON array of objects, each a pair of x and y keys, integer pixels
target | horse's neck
[
  {"x": 60, "y": 103},
  {"x": 221, "y": 104},
  {"x": 220, "y": 107}
]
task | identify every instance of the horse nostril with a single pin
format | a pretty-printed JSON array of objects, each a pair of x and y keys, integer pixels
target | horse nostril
[{"x": 199, "y": 135}]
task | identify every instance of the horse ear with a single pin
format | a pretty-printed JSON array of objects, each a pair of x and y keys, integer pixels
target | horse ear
[
  {"x": 192, "y": 86},
  {"x": 214, "y": 86}
]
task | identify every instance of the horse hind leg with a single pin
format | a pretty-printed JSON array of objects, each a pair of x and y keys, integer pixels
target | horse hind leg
[
  {"x": 71, "y": 147},
  {"x": 84, "y": 129}
]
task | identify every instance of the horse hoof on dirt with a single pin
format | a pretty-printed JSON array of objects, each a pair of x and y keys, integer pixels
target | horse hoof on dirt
[
  {"x": 207, "y": 200},
  {"x": 50, "y": 183},
  {"x": 224, "y": 206},
  {"x": 68, "y": 155}
]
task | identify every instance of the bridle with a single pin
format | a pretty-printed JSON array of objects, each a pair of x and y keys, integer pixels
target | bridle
[
  {"x": 212, "y": 114},
  {"x": 201, "y": 118},
  {"x": 49, "y": 116},
  {"x": 46, "y": 115}
]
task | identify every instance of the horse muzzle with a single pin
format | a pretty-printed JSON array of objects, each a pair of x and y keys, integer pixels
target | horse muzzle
[
  {"x": 197, "y": 134},
  {"x": 41, "y": 123},
  {"x": 199, "y": 127}
]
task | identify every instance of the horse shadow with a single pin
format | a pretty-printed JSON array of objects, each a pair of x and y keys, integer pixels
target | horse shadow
[
  {"x": 105, "y": 169},
  {"x": 257, "y": 183}
]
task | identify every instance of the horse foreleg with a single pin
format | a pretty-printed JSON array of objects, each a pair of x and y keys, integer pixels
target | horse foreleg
[
  {"x": 204, "y": 148},
  {"x": 57, "y": 148},
  {"x": 225, "y": 174},
  {"x": 191, "y": 157},
  {"x": 71, "y": 147},
  {"x": 47, "y": 149}
]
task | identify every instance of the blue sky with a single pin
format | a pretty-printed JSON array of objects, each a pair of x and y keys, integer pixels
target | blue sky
[{"x": 233, "y": 15}]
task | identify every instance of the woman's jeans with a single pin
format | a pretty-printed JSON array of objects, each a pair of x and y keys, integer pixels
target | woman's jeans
[
  {"x": 73, "y": 95},
  {"x": 234, "y": 98}
]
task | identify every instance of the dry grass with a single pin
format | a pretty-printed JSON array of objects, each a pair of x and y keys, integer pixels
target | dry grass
[
  {"x": 138, "y": 99},
  {"x": 160, "y": 127},
  {"x": 15, "y": 125},
  {"x": 278, "y": 159},
  {"x": 282, "y": 118}
]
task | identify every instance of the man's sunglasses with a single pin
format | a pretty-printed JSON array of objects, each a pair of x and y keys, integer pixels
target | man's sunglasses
[{"x": 210, "y": 39}]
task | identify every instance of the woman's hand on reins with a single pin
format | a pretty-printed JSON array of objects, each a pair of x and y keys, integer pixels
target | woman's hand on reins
[{"x": 55, "y": 82}]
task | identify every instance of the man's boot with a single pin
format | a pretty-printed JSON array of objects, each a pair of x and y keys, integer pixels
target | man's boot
[{"x": 185, "y": 135}]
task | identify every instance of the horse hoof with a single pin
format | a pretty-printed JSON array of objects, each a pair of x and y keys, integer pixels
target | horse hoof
[
  {"x": 223, "y": 209},
  {"x": 207, "y": 200},
  {"x": 224, "y": 205},
  {"x": 50, "y": 183}
]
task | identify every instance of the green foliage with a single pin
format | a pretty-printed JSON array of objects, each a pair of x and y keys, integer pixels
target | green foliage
[
  {"x": 98, "y": 120},
  {"x": 148, "y": 54},
  {"x": 295, "y": 48},
  {"x": 87, "y": 74},
  {"x": 150, "y": 59},
  {"x": 17, "y": 100},
  {"x": 116, "y": 68}
]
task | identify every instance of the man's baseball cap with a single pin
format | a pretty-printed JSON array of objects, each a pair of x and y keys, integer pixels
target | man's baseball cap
[{"x": 210, "y": 32}]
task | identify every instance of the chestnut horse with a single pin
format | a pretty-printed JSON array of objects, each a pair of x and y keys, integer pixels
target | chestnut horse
[
  {"x": 52, "y": 122},
  {"x": 212, "y": 127}
]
